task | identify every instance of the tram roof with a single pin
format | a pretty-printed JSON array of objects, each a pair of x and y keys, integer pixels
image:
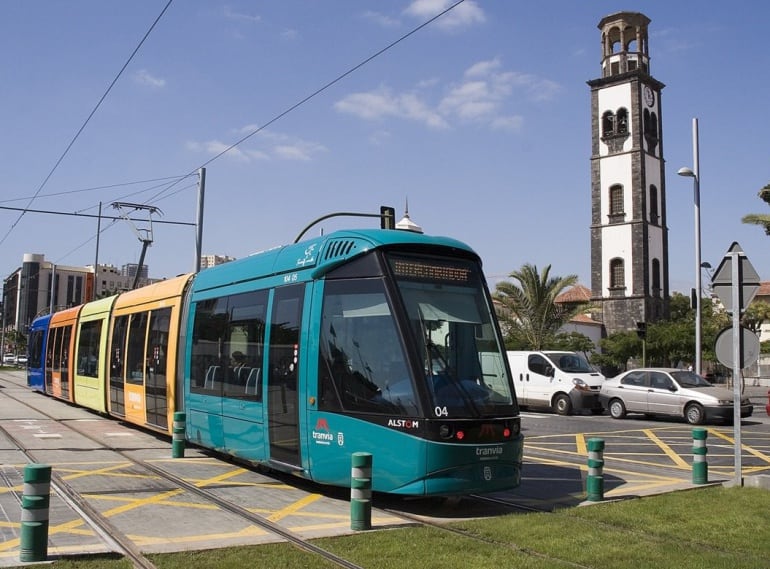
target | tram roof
[{"x": 318, "y": 254}]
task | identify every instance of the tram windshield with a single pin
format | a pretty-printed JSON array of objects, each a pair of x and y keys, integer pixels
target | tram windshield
[
  {"x": 456, "y": 339},
  {"x": 364, "y": 358}
]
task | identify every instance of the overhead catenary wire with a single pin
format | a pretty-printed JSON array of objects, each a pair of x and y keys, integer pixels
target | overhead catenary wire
[
  {"x": 160, "y": 195},
  {"x": 85, "y": 123},
  {"x": 317, "y": 92},
  {"x": 105, "y": 187}
]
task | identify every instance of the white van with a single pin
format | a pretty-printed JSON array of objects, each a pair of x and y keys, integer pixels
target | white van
[{"x": 561, "y": 381}]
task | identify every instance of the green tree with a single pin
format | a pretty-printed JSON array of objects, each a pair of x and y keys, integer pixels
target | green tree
[
  {"x": 756, "y": 313},
  {"x": 616, "y": 350},
  {"x": 528, "y": 310},
  {"x": 572, "y": 342}
]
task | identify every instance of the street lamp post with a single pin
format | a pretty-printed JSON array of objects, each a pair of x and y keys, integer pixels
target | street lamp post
[{"x": 694, "y": 174}]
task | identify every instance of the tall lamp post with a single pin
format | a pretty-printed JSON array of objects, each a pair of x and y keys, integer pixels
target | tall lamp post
[{"x": 694, "y": 174}]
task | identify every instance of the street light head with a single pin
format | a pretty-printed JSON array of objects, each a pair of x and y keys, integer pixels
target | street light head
[
  {"x": 705, "y": 265},
  {"x": 686, "y": 172}
]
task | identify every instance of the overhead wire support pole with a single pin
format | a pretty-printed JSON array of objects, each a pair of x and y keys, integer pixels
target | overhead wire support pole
[
  {"x": 199, "y": 217},
  {"x": 96, "y": 255}
]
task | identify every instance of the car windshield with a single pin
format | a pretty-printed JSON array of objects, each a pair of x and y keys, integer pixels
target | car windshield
[
  {"x": 689, "y": 379},
  {"x": 572, "y": 363}
]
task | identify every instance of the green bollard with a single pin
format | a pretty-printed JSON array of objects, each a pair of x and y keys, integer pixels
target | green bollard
[
  {"x": 361, "y": 491},
  {"x": 595, "y": 480},
  {"x": 700, "y": 468},
  {"x": 35, "y": 501},
  {"x": 177, "y": 436}
]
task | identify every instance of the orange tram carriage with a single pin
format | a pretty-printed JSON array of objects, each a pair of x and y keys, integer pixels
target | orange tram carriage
[{"x": 379, "y": 341}]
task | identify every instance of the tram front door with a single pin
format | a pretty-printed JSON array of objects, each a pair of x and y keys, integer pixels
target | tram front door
[{"x": 282, "y": 379}]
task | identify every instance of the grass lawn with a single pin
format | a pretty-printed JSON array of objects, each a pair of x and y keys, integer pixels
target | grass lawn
[{"x": 712, "y": 528}]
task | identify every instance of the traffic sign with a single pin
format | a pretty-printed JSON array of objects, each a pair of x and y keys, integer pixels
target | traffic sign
[
  {"x": 723, "y": 347},
  {"x": 748, "y": 279}
]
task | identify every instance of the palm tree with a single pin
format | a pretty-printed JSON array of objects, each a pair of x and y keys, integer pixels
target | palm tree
[
  {"x": 762, "y": 219},
  {"x": 527, "y": 308}
]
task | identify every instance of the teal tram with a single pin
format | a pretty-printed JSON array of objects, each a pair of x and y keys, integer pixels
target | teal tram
[{"x": 371, "y": 340}]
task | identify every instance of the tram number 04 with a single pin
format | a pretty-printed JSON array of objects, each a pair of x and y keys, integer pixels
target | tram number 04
[{"x": 441, "y": 412}]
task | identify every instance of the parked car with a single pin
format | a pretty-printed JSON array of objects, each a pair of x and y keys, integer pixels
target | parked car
[
  {"x": 561, "y": 381},
  {"x": 9, "y": 358},
  {"x": 21, "y": 360},
  {"x": 668, "y": 391}
]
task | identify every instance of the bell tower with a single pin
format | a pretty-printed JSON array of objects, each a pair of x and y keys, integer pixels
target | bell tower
[{"x": 629, "y": 236}]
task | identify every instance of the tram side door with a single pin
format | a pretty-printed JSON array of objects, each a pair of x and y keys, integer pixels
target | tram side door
[{"x": 282, "y": 395}]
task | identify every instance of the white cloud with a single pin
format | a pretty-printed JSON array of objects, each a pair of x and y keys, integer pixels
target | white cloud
[
  {"x": 381, "y": 19},
  {"x": 510, "y": 123},
  {"x": 484, "y": 96},
  {"x": 240, "y": 16},
  {"x": 266, "y": 146},
  {"x": 382, "y": 103},
  {"x": 462, "y": 16},
  {"x": 216, "y": 147},
  {"x": 143, "y": 77}
]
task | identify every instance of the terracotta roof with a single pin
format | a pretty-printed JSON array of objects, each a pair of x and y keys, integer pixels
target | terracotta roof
[
  {"x": 764, "y": 289},
  {"x": 577, "y": 293},
  {"x": 584, "y": 319}
]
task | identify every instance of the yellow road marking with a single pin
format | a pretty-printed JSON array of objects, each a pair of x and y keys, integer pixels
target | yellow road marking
[
  {"x": 292, "y": 508},
  {"x": 669, "y": 452},
  {"x": 744, "y": 448},
  {"x": 221, "y": 477},
  {"x": 580, "y": 443}
]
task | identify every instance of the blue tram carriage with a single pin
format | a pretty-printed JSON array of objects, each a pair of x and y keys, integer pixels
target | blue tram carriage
[
  {"x": 379, "y": 341},
  {"x": 36, "y": 350}
]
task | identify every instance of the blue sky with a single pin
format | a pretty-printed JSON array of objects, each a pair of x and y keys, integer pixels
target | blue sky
[{"x": 480, "y": 119}]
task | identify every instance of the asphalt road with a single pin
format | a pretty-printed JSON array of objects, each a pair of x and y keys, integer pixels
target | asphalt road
[{"x": 642, "y": 455}]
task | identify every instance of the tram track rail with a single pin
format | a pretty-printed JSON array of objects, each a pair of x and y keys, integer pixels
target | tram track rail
[
  {"x": 122, "y": 544},
  {"x": 115, "y": 539}
]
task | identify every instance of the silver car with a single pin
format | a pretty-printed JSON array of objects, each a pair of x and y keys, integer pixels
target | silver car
[{"x": 668, "y": 391}]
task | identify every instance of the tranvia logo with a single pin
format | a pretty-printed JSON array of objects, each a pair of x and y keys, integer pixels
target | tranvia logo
[
  {"x": 321, "y": 434},
  {"x": 489, "y": 451}
]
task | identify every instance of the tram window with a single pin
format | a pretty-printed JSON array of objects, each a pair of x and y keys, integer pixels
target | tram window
[
  {"x": 361, "y": 365},
  {"x": 244, "y": 345},
  {"x": 156, "y": 390},
  {"x": 35, "y": 346},
  {"x": 117, "y": 353},
  {"x": 228, "y": 346},
  {"x": 284, "y": 337},
  {"x": 135, "y": 353},
  {"x": 65, "y": 360},
  {"x": 88, "y": 348},
  {"x": 157, "y": 345},
  {"x": 208, "y": 334}
]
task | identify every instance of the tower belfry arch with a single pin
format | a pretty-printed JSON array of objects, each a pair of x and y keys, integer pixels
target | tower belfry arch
[{"x": 629, "y": 235}]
